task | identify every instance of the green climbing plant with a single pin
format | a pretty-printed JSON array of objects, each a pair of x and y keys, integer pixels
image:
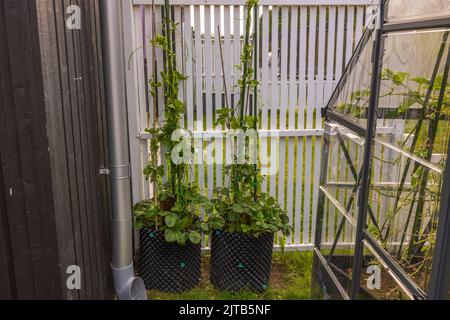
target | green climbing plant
[
  {"x": 178, "y": 203},
  {"x": 241, "y": 204}
]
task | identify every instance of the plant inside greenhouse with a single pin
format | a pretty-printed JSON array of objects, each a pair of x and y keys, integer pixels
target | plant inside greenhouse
[{"x": 225, "y": 156}]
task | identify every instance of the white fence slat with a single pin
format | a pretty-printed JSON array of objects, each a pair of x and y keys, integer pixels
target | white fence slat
[
  {"x": 299, "y": 194},
  {"x": 284, "y": 94},
  {"x": 236, "y": 51},
  {"x": 350, "y": 33},
  {"x": 359, "y": 24},
  {"x": 319, "y": 104},
  {"x": 340, "y": 41},
  {"x": 189, "y": 53},
  {"x": 139, "y": 56},
  {"x": 218, "y": 89},
  {"x": 330, "y": 52},
  {"x": 179, "y": 56},
  {"x": 274, "y": 91},
  {"x": 284, "y": 65},
  {"x": 208, "y": 63},
  {"x": 293, "y": 64},
  {"x": 309, "y": 121},
  {"x": 132, "y": 103},
  {"x": 265, "y": 103},
  {"x": 293, "y": 103},
  {"x": 228, "y": 52},
  {"x": 199, "y": 94}
]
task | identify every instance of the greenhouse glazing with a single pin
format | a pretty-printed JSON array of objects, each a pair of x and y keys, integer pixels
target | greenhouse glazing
[{"x": 383, "y": 224}]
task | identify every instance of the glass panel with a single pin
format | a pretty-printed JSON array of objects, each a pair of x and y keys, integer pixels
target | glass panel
[
  {"x": 404, "y": 208},
  {"x": 403, "y": 10},
  {"x": 341, "y": 181},
  {"x": 414, "y": 116},
  {"x": 339, "y": 250},
  {"x": 345, "y": 156},
  {"x": 353, "y": 99},
  {"x": 376, "y": 280}
]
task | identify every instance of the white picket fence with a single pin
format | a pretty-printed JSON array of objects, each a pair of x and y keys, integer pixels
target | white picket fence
[{"x": 300, "y": 63}]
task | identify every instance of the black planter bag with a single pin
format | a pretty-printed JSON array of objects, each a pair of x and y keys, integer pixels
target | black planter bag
[
  {"x": 168, "y": 267},
  {"x": 240, "y": 262}
]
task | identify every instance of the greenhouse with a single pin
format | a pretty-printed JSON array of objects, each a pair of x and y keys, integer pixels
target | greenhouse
[{"x": 247, "y": 150}]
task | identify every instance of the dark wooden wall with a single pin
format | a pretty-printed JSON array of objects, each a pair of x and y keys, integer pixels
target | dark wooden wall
[{"x": 54, "y": 204}]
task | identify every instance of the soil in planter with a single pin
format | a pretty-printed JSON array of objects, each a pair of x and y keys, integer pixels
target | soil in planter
[
  {"x": 168, "y": 267},
  {"x": 240, "y": 262}
]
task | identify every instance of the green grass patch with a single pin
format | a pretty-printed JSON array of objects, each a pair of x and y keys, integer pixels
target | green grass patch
[{"x": 291, "y": 280}]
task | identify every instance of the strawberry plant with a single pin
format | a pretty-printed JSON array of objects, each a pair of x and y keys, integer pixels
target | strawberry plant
[{"x": 241, "y": 204}]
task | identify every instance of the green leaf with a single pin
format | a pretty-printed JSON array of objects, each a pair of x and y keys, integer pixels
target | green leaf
[
  {"x": 182, "y": 238},
  {"x": 217, "y": 223},
  {"x": 399, "y": 77},
  {"x": 171, "y": 220},
  {"x": 421, "y": 81},
  {"x": 408, "y": 102},
  {"x": 195, "y": 237},
  {"x": 238, "y": 208},
  {"x": 170, "y": 235},
  {"x": 205, "y": 228}
]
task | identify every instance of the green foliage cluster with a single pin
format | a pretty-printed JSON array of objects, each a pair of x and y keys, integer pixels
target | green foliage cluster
[
  {"x": 177, "y": 205},
  {"x": 241, "y": 204},
  {"x": 244, "y": 214}
]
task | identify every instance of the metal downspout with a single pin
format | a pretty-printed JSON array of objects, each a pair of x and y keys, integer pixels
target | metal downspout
[{"x": 127, "y": 286}]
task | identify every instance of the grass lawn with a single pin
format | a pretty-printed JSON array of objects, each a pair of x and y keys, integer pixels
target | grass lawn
[{"x": 291, "y": 280}]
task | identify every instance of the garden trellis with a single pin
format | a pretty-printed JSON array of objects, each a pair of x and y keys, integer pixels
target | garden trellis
[{"x": 300, "y": 63}]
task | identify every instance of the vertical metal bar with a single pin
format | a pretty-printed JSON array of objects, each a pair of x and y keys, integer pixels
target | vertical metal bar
[
  {"x": 440, "y": 274},
  {"x": 322, "y": 182},
  {"x": 367, "y": 163},
  {"x": 317, "y": 261}
]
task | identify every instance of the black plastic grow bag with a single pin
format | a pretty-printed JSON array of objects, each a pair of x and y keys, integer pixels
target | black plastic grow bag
[
  {"x": 240, "y": 262},
  {"x": 168, "y": 267}
]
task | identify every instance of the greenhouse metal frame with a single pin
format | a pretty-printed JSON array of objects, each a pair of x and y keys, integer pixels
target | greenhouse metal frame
[{"x": 438, "y": 285}]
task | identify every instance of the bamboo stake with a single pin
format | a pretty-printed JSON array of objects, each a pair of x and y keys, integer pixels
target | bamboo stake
[{"x": 154, "y": 154}]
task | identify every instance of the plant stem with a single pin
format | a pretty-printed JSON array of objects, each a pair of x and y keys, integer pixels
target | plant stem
[
  {"x": 154, "y": 154},
  {"x": 246, "y": 57},
  {"x": 417, "y": 131},
  {"x": 255, "y": 98},
  {"x": 223, "y": 67},
  {"x": 432, "y": 134}
]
